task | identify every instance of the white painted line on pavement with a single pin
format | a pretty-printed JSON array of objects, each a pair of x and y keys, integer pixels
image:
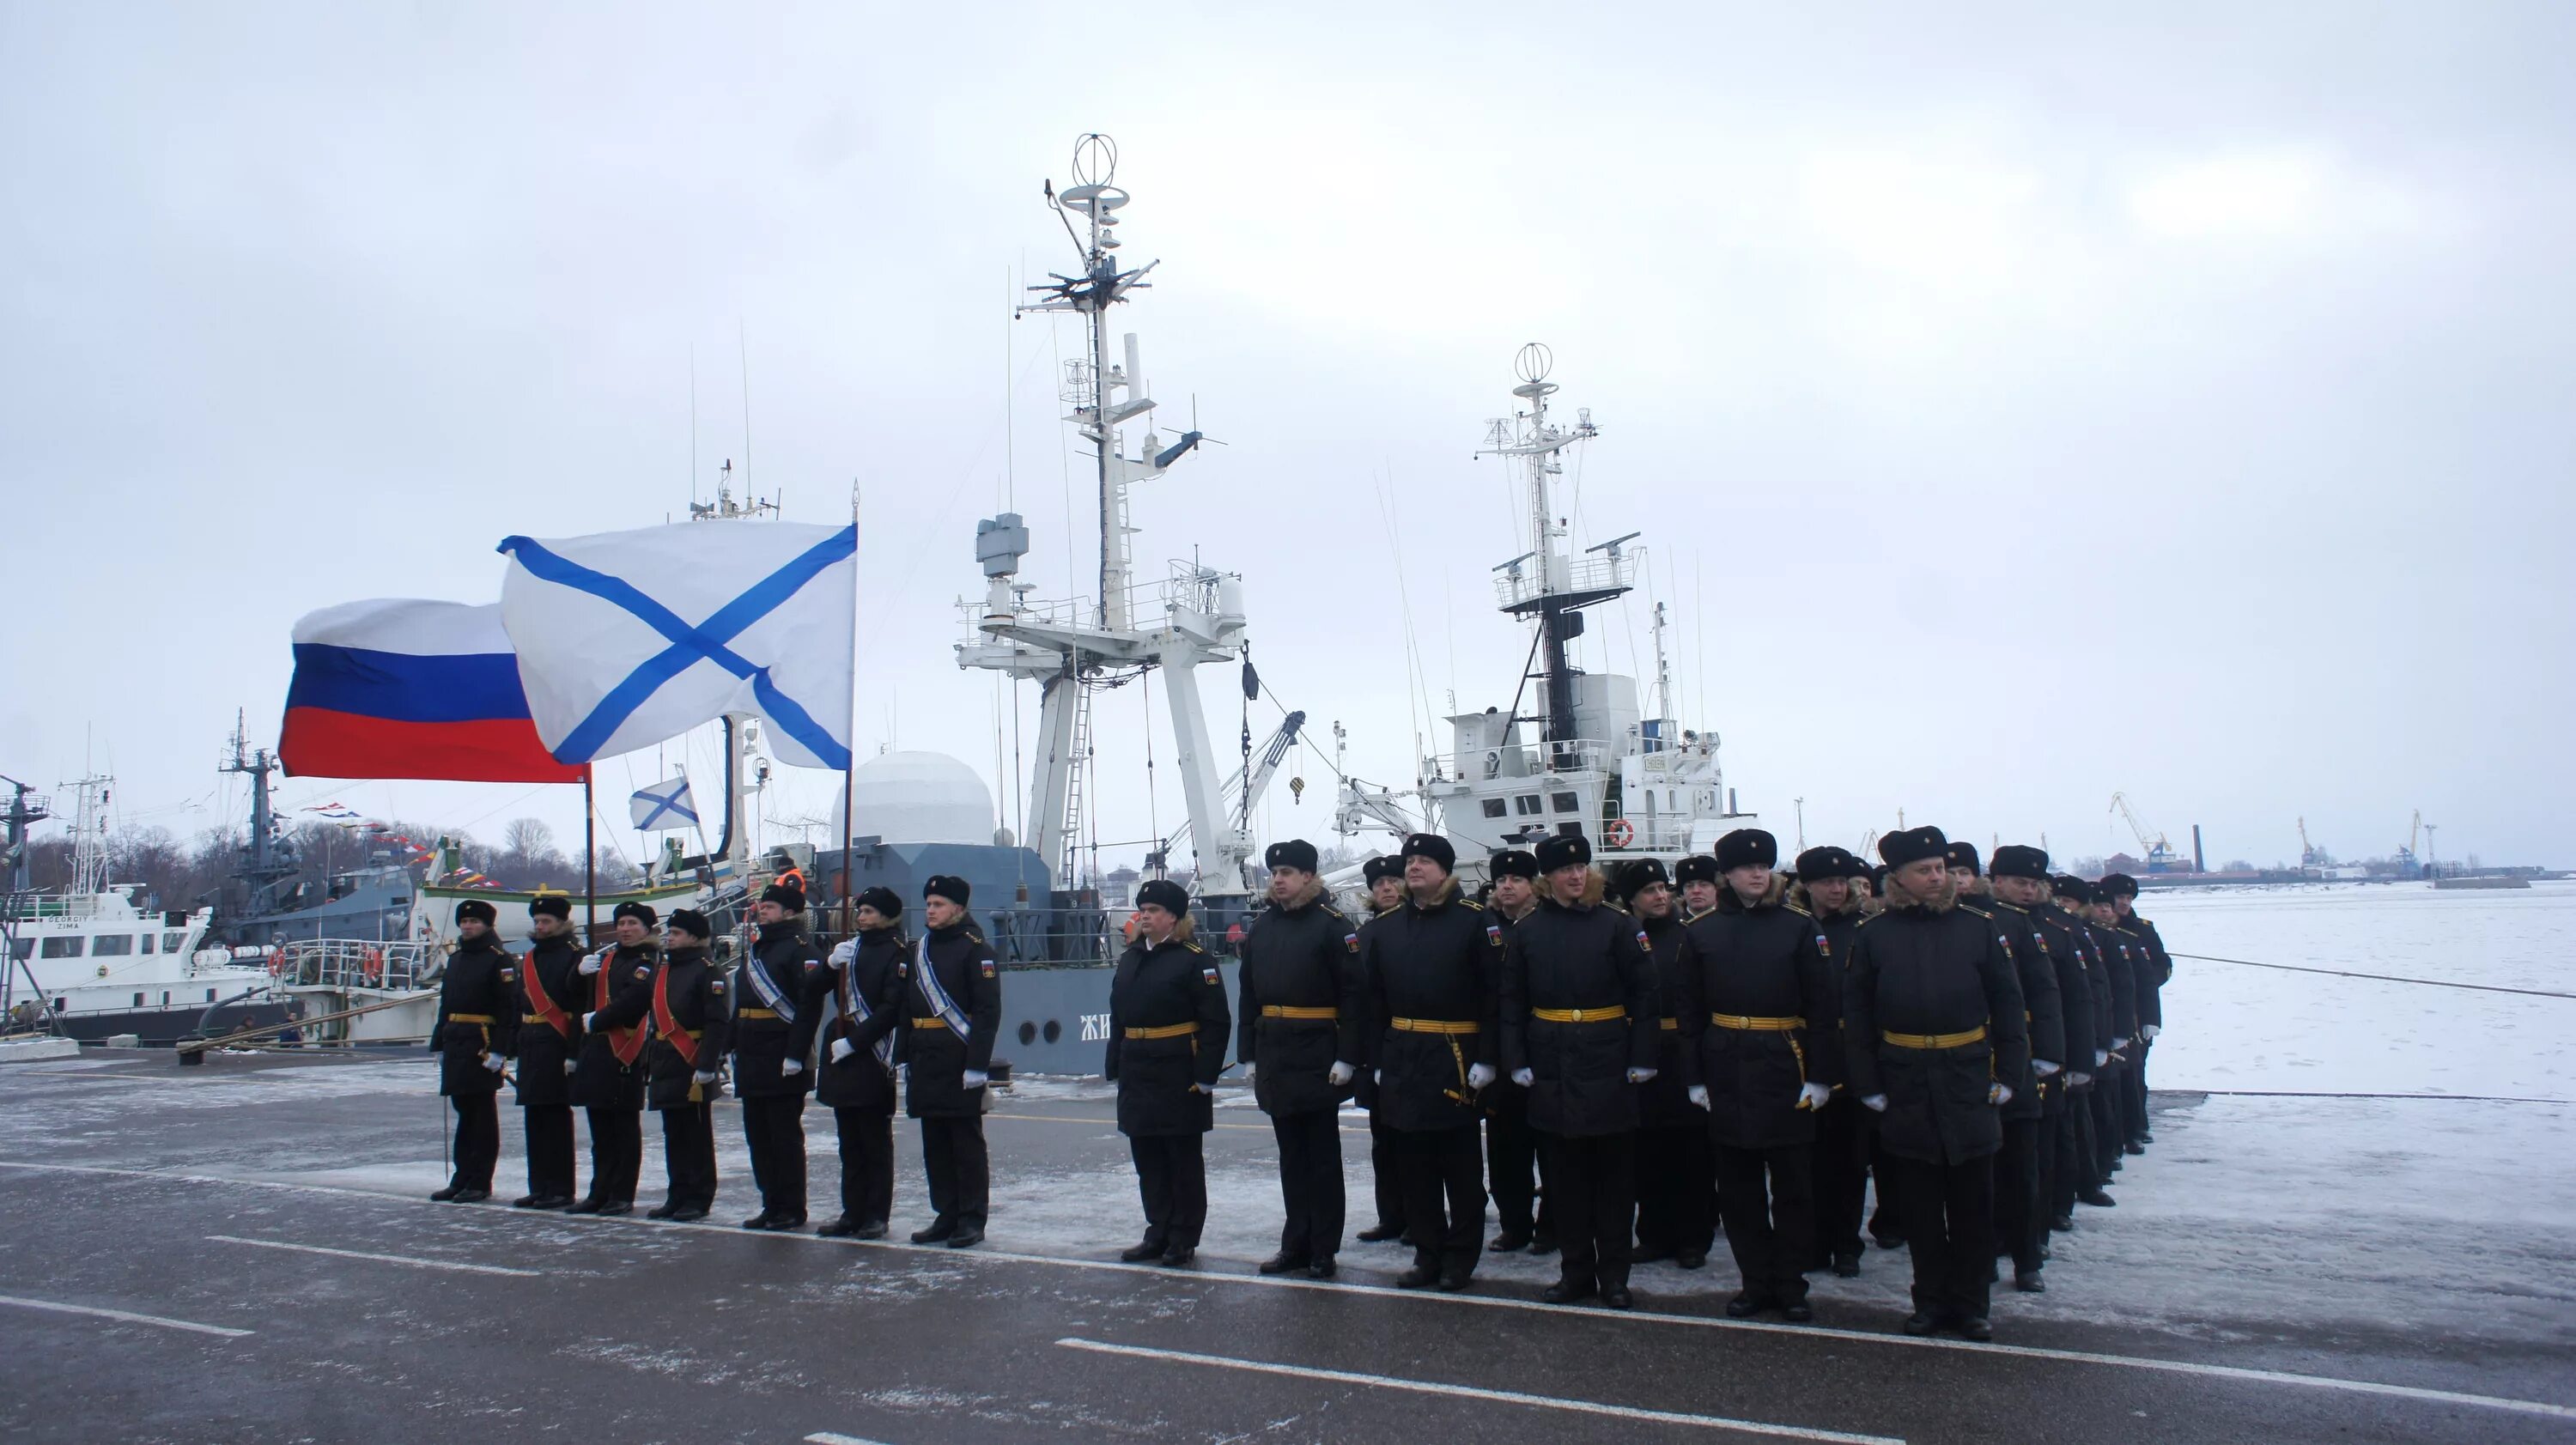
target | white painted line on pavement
[
  {"x": 378, "y": 1258},
  {"x": 1470, "y": 1392},
  {"x": 827, "y": 1437},
  {"x": 124, "y": 1315},
  {"x": 2540, "y": 1408}
]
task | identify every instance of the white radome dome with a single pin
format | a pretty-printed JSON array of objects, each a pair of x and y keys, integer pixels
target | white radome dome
[{"x": 911, "y": 797}]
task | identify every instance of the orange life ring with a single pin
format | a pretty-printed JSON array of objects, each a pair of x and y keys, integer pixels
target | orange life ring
[
  {"x": 371, "y": 964},
  {"x": 1620, "y": 834}
]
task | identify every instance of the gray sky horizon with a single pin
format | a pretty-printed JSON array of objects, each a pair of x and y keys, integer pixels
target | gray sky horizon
[{"x": 2018, "y": 405}]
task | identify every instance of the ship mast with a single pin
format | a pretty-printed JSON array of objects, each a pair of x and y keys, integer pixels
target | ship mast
[
  {"x": 1545, "y": 583},
  {"x": 1069, "y": 648}
]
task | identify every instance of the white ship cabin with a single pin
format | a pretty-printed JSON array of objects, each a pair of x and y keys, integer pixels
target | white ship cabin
[
  {"x": 1632, "y": 784},
  {"x": 98, "y": 953}
]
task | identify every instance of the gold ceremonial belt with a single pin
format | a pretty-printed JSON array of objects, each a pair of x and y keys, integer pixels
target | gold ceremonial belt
[
  {"x": 1580, "y": 1015},
  {"x": 524, "y": 1018},
  {"x": 932, "y": 1022},
  {"x": 1668, "y": 1024},
  {"x": 1936, "y": 1041},
  {"x": 1432, "y": 1026},
  {"x": 758, "y": 1013},
  {"x": 1756, "y": 1025},
  {"x": 1291, "y": 1011},
  {"x": 1165, "y": 1031},
  {"x": 471, "y": 1019}
]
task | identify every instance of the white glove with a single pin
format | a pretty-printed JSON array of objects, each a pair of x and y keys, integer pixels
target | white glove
[
  {"x": 1479, "y": 1075},
  {"x": 1378, "y": 1077},
  {"x": 1524, "y": 1077},
  {"x": 1340, "y": 1073},
  {"x": 1247, "y": 1071},
  {"x": 1999, "y": 1094},
  {"x": 2042, "y": 1067},
  {"x": 974, "y": 1078},
  {"x": 589, "y": 1023},
  {"x": 1875, "y": 1103},
  {"x": 844, "y": 951},
  {"x": 2118, "y": 1044},
  {"x": 2077, "y": 1081},
  {"x": 791, "y": 1066},
  {"x": 704, "y": 1076},
  {"x": 568, "y": 1068},
  {"x": 842, "y": 1049},
  {"x": 1639, "y": 1076},
  {"x": 2100, "y": 1058},
  {"x": 1813, "y": 1096},
  {"x": 1699, "y": 1095},
  {"x": 590, "y": 964},
  {"x": 2149, "y": 1031},
  {"x": 495, "y": 1062}
]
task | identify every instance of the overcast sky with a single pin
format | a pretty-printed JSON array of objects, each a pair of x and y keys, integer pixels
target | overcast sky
[{"x": 2020, "y": 403}]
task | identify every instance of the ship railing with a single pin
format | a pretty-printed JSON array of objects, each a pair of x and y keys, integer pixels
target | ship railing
[
  {"x": 355, "y": 963},
  {"x": 1518, "y": 760},
  {"x": 1025, "y": 938},
  {"x": 41, "y": 907},
  {"x": 1524, "y": 583}
]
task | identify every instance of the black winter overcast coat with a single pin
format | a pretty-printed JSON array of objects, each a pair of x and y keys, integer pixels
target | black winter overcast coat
[
  {"x": 481, "y": 980},
  {"x": 700, "y": 1000},
  {"x": 1925, "y": 971},
  {"x": 763, "y": 1045},
  {"x": 1441, "y": 963},
  {"x": 935, "y": 1059},
  {"x": 552, "y": 965},
  {"x": 1767, "y": 961},
  {"x": 600, "y": 1079},
  {"x": 2041, "y": 1004},
  {"x": 874, "y": 978},
  {"x": 1595, "y": 959},
  {"x": 1301, "y": 958},
  {"x": 1166, "y": 1085}
]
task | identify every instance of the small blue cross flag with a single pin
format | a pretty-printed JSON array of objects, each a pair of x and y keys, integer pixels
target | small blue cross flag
[
  {"x": 664, "y": 806},
  {"x": 628, "y": 639}
]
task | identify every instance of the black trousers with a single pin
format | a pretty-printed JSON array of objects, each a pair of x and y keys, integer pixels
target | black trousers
[
  {"x": 2107, "y": 1128},
  {"x": 1676, "y": 1190},
  {"x": 616, "y": 1154},
  {"x": 867, "y": 1164},
  {"x": 960, "y": 1168},
  {"x": 1841, "y": 1175},
  {"x": 2019, "y": 1225},
  {"x": 1767, "y": 1198},
  {"x": 1171, "y": 1177},
  {"x": 478, "y": 1139},
  {"x": 1444, "y": 1196},
  {"x": 1950, "y": 1227},
  {"x": 549, "y": 1132},
  {"x": 774, "y": 1125},
  {"x": 1310, "y": 1182},
  {"x": 1887, "y": 1217},
  {"x": 1596, "y": 1206},
  {"x": 1517, "y": 1173},
  {"x": 2133, "y": 1095},
  {"x": 1386, "y": 1171},
  {"x": 2072, "y": 1157},
  {"x": 689, "y": 1153}
]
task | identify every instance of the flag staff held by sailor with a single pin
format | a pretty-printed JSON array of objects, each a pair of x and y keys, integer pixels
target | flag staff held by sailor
[
  {"x": 549, "y": 1049},
  {"x": 855, "y": 1001},
  {"x": 608, "y": 1076},
  {"x": 951, "y": 1014},
  {"x": 690, "y": 1006}
]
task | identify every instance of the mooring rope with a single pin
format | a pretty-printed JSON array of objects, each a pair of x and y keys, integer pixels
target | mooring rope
[{"x": 2381, "y": 977}]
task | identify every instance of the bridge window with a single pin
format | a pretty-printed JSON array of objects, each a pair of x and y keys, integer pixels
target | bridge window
[
  {"x": 22, "y": 948},
  {"x": 138, "y": 1000},
  {"x": 1496, "y": 807},
  {"x": 147, "y": 943},
  {"x": 63, "y": 946},
  {"x": 1526, "y": 804},
  {"x": 210, "y": 995},
  {"x": 111, "y": 945},
  {"x": 170, "y": 942},
  {"x": 1564, "y": 802}
]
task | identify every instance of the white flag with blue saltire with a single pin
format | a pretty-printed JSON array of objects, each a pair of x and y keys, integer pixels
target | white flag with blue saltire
[
  {"x": 664, "y": 806},
  {"x": 627, "y": 639}
]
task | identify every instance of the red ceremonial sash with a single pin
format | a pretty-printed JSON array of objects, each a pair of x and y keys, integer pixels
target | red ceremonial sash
[
  {"x": 540, "y": 1002},
  {"x": 626, "y": 1044},
  {"x": 668, "y": 1025}
]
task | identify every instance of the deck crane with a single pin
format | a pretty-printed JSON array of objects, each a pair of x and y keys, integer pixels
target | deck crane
[
  {"x": 2406, "y": 854},
  {"x": 2309, "y": 856},
  {"x": 1242, "y": 791},
  {"x": 2160, "y": 854}
]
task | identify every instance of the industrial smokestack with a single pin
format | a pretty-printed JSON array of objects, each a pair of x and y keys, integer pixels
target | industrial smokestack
[{"x": 2198, "y": 863}]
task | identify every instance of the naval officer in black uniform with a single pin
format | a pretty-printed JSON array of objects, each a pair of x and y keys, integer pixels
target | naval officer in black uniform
[
  {"x": 549, "y": 1045},
  {"x": 769, "y": 1074},
  {"x": 856, "y": 999},
  {"x": 951, "y": 1014},
  {"x": 1300, "y": 1028},
  {"x": 1515, "y": 1166},
  {"x": 1384, "y": 878},
  {"x": 473, "y": 1037},
  {"x": 1167, "y": 1038},
  {"x": 608, "y": 1076}
]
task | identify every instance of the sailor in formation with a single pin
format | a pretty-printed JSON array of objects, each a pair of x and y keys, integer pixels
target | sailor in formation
[
  {"x": 952, "y": 1012},
  {"x": 608, "y": 1074},
  {"x": 768, "y": 1062},
  {"x": 1755, "y": 975},
  {"x": 855, "y": 1001},
  {"x": 2020, "y": 1226},
  {"x": 1515, "y": 1167},
  {"x": 549, "y": 1049},
  {"x": 473, "y": 1036},
  {"x": 689, "y": 1007},
  {"x": 1434, "y": 971},
  {"x": 2151, "y": 969},
  {"x": 1676, "y": 1172},
  {"x": 1383, "y": 878},
  {"x": 1828, "y": 888},
  {"x": 1300, "y": 1025},
  {"x": 1578, "y": 1012},
  {"x": 1168, "y": 1028}
]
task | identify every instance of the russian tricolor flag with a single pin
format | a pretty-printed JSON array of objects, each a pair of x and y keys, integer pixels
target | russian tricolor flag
[{"x": 402, "y": 688}]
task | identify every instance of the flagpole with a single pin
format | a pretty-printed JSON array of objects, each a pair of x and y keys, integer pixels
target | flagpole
[
  {"x": 589, "y": 862},
  {"x": 850, "y": 761}
]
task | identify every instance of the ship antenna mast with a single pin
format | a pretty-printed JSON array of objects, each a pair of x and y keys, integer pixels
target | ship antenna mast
[{"x": 1544, "y": 583}]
